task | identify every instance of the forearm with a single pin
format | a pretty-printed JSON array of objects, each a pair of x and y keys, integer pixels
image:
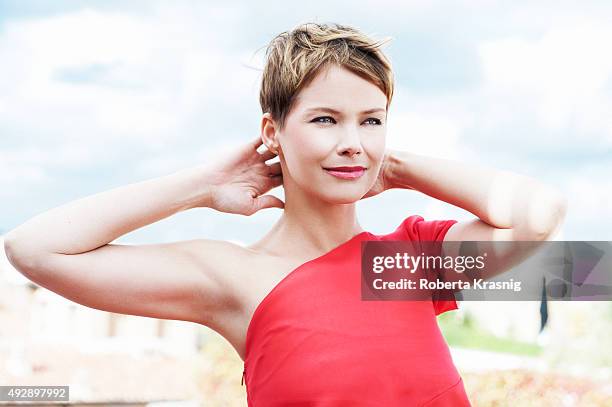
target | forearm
[
  {"x": 500, "y": 198},
  {"x": 93, "y": 221}
]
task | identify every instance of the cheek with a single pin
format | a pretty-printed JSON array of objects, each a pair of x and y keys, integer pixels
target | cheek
[
  {"x": 310, "y": 148},
  {"x": 302, "y": 153},
  {"x": 375, "y": 147}
]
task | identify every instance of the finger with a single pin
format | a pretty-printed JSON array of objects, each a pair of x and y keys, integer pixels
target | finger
[
  {"x": 276, "y": 180},
  {"x": 255, "y": 143},
  {"x": 268, "y": 201},
  {"x": 275, "y": 168},
  {"x": 267, "y": 154}
]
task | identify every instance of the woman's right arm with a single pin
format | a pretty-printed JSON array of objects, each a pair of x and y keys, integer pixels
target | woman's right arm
[{"x": 67, "y": 249}]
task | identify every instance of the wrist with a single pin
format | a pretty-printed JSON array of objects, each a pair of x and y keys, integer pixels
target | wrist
[
  {"x": 396, "y": 173},
  {"x": 199, "y": 187}
]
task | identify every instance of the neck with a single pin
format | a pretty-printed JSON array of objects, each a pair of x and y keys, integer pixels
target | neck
[{"x": 313, "y": 226}]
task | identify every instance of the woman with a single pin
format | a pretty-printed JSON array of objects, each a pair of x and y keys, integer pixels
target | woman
[{"x": 289, "y": 303}]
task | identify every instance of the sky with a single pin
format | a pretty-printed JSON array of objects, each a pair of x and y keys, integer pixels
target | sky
[{"x": 95, "y": 95}]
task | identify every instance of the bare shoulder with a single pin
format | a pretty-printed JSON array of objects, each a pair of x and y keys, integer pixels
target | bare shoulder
[{"x": 235, "y": 280}]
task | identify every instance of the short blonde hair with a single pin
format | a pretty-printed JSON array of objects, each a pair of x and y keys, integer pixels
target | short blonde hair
[{"x": 293, "y": 59}]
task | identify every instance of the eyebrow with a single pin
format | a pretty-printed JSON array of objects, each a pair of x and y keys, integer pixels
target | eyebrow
[{"x": 330, "y": 110}]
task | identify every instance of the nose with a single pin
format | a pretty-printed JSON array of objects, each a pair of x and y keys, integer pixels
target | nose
[{"x": 350, "y": 143}]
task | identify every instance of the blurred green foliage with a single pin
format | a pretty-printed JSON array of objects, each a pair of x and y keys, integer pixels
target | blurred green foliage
[{"x": 465, "y": 333}]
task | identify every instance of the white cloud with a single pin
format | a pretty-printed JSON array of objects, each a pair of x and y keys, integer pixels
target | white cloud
[
  {"x": 25, "y": 169},
  {"x": 429, "y": 126},
  {"x": 94, "y": 78},
  {"x": 589, "y": 193},
  {"x": 560, "y": 78}
]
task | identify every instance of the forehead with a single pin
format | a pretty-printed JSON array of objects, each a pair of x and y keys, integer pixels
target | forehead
[{"x": 340, "y": 88}]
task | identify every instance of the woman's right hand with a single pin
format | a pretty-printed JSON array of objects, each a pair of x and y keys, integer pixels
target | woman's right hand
[{"x": 239, "y": 181}]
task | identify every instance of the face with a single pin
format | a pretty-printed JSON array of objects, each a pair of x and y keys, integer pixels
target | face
[{"x": 338, "y": 120}]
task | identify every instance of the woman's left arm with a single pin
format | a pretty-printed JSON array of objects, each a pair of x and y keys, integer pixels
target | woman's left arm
[{"x": 509, "y": 206}]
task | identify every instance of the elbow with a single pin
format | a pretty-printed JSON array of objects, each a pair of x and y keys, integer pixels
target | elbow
[
  {"x": 23, "y": 259},
  {"x": 10, "y": 248},
  {"x": 562, "y": 209},
  {"x": 558, "y": 213},
  {"x": 548, "y": 217}
]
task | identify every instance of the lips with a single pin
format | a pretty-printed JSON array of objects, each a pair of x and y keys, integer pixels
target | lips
[
  {"x": 346, "y": 172},
  {"x": 346, "y": 169}
]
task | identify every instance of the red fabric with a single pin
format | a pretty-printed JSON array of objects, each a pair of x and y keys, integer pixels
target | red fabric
[
  {"x": 312, "y": 341},
  {"x": 418, "y": 229}
]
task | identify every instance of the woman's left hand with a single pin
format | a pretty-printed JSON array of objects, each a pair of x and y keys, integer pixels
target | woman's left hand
[{"x": 382, "y": 181}]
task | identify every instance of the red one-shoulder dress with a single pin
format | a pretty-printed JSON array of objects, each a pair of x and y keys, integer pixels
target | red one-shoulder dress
[{"x": 312, "y": 341}]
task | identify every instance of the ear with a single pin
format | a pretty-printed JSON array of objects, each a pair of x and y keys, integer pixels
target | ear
[{"x": 269, "y": 133}]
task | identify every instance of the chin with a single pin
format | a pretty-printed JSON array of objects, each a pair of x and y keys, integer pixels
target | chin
[{"x": 344, "y": 198}]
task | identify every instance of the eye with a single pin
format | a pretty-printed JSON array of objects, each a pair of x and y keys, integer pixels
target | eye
[
  {"x": 378, "y": 121},
  {"x": 316, "y": 119}
]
